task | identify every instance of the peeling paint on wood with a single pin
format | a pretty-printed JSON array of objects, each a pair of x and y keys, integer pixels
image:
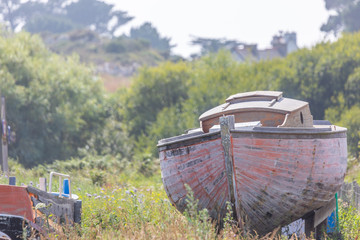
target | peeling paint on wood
[
  {"x": 277, "y": 179},
  {"x": 271, "y": 175}
]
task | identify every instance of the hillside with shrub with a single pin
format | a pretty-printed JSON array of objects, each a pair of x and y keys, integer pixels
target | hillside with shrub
[
  {"x": 90, "y": 29},
  {"x": 116, "y": 60}
]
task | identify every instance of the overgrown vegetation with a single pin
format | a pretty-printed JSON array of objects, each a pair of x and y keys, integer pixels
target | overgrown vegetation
[
  {"x": 349, "y": 221},
  {"x": 126, "y": 204}
]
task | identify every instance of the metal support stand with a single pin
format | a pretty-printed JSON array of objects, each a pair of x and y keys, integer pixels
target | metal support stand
[{"x": 4, "y": 142}]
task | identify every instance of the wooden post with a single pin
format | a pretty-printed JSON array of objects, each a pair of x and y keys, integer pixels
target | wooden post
[
  {"x": 42, "y": 183},
  {"x": 324, "y": 212},
  {"x": 12, "y": 181},
  {"x": 309, "y": 223},
  {"x": 77, "y": 211},
  {"x": 227, "y": 123},
  {"x": 355, "y": 193},
  {"x": 4, "y": 144}
]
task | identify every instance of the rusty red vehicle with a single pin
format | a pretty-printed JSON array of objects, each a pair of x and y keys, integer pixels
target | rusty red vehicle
[
  {"x": 261, "y": 152},
  {"x": 28, "y": 212}
]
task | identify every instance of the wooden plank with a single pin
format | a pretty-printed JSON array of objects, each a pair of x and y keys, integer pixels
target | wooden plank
[
  {"x": 266, "y": 119},
  {"x": 322, "y": 213},
  {"x": 62, "y": 208},
  {"x": 42, "y": 183},
  {"x": 77, "y": 211},
  {"x": 269, "y": 95}
]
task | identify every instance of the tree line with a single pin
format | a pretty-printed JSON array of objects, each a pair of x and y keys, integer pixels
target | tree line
[
  {"x": 58, "y": 108},
  {"x": 168, "y": 99},
  {"x": 61, "y": 16}
]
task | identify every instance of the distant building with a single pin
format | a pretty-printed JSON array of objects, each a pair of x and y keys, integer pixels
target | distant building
[{"x": 282, "y": 45}]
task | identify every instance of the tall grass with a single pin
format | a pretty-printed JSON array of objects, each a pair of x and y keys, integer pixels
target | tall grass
[{"x": 121, "y": 202}]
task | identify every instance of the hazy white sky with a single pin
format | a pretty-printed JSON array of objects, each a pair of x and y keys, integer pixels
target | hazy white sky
[{"x": 249, "y": 21}]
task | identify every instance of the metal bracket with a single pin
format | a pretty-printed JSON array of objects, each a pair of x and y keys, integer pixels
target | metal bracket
[{"x": 60, "y": 182}]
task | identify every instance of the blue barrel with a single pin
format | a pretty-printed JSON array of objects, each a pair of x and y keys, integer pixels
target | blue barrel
[{"x": 66, "y": 186}]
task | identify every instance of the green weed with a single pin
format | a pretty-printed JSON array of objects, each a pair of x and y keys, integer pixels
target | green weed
[{"x": 349, "y": 221}]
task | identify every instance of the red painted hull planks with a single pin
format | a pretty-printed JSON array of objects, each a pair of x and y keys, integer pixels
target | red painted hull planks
[
  {"x": 281, "y": 179},
  {"x": 278, "y": 178}
]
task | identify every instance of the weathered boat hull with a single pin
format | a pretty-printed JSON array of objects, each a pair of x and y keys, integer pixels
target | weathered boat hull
[
  {"x": 278, "y": 174},
  {"x": 201, "y": 166}
]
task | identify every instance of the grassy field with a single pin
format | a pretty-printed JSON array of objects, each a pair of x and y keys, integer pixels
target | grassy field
[{"x": 123, "y": 201}]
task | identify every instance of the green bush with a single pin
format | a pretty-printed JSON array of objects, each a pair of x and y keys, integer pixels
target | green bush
[
  {"x": 54, "y": 105},
  {"x": 349, "y": 219},
  {"x": 122, "y": 45},
  {"x": 115, "y": 47}
]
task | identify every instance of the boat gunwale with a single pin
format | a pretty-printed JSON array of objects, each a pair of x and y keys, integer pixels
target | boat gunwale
[
  {"x": 266, "y": 132},
  {"x": 186, "y": 137}
]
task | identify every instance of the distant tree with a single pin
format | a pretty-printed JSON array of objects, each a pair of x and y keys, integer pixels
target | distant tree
[
  {"x": 346, "y": 17},
  {"x": 213, "y": 45},
  {"x": 149, "y": 33},
  {"x": 348, "y": 118},
  {"x": 124, "y": 44},
  {"x": 152, "y": 90},
  {"x": 60, "y": 16},
  {"x": 97, "y": 14},
  {"x": 321, "y": 74},
  {"x": 16, "y": 13},
  {"x": 7, "y": 9},
  {"x": 49, "y": 23}
]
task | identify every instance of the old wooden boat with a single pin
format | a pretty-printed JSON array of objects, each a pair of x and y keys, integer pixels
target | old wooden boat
[{"x": 261, "y": 152}]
